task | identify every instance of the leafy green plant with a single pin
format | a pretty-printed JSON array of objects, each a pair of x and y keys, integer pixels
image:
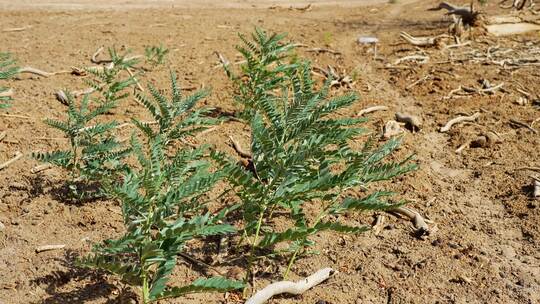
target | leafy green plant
[
  {"x": 107, "y": 81},
  {"x": 264, "y": 68},
  {"x": 94, "y": 153},
  {"x": 162, "y": 209},
  {"x": 302, "y": 155},
  {"x": 175, "y": 116},
  {"x": 163, "y": 201},
  {"x": 8, "y": 69},
  {"x": 155, "y": 55}
]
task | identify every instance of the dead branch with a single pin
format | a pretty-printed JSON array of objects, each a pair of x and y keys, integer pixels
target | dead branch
[
  {"x": 7, "y": 93},
  {"x": 40, "y": 168},
  {"x": 132, "y": 75},
  {"x": 295, "y": 288},
  {"x": 222, "y": 60},
  {"x": 420, "y": 224},
  {"x": 421, "y": 41},
  {"x": 323, "y": 50},
  {"x": 16, "y": 116},
  {"x": 420, "y": 80},
  {"x": 61, "y": 95},
  {"x": 16, "y": 29},
  {"x": 536, "y": 188},
  {"x": 457, "y": 120},
  {"x": 239, "y": 149},
  {"x": 524, "y": 125},
  {"x": 415, "y": 58},
  {"x": 49, "y": 247},
  {"x": 378, "y": 225},
  {"x": 17, "y": 156},
  {"x": 371, "y": 110},
  {"x": 31, "y": 70},
  {"x": 467, "y": 14},
  {"x": 94, "y": 59},
  {"x": 412, "y": 122}
]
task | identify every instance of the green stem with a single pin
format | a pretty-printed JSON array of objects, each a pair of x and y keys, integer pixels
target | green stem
[
  {"x": 145, "y": 289},
  {"x": 291, "y": 262},
  {"x": 252, "y": 251}
]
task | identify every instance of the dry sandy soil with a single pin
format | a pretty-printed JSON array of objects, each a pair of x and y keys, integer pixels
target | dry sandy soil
[{"x": 487, "y": 245}]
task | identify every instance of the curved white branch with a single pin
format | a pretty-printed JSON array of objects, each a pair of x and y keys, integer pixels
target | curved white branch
[
  {"x": 291, "y": 287},
  {"x": 459, "y": 119}
]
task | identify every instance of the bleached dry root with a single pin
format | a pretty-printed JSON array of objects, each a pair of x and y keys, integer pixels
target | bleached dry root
[
  {"x": 40, "y": 168},
  {"x": 61, "y": 95},
  {"x": 415, "y": 58},
  {"x": 295, "y": 288},
  {"x": 524, "y": 125},
  {"x": 239, "y": 149},
  {"x": 323, "y": 50},
  {"x": 16, "y": 29},
  {"x": 412, "y": 122},
  {"x": 7, "y": 93},
  {"x": 372, "y": 109},
  {"x": 536, "y": 188},
  {"x": 459, "y": 119},
  {"x": 420, "y": 224},
  {"x": 421, "y": 41},
  {"x": 379, "y": 224},
  {"x": 31, "y": 70},
  {"x": 17, "y": 156},
  {"x": 49, "y": 247}
]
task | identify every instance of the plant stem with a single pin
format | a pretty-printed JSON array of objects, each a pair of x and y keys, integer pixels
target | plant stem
[
  {"x": 252, "y": 251},
  {"x": 291, "y": 261},
  {"x": 145, "y": 290}
]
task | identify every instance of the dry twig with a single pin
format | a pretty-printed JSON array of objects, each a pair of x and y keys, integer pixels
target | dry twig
[
  {"x": 31, "y": 70},
  {"x": 524, "y": 125},
  {"x": 323, "y": 50},
  {"x": 2, "y": 135},
  {"x": 295, "y": 288},
  {"x": 239, "y": 149},
  {"x": 419, "y": 222},
  {"x": 40, "y": 168},
  {"x": 372, "y": 109},
  {"x": 459, "y": 119},
  {"x": 49, "y": 247},
  {"x": 17, "y": 156}
]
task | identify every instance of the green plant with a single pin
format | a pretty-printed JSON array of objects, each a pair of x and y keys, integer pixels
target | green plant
[
  {"x": 175, "y": 116},
  {"x": 94, "y": 153},
  {"x": 163, "y": 202},
  {"x": 264, "y": 68},
  {"x": 107, "y": 81},
  {"x": 8, "y": 69},
  {"x": 161, "y": 206},
  {"x": 155, "y": 55},
  {"x": 302, "y": 156}
]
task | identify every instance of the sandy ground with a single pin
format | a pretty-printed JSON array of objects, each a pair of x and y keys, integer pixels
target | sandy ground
[
  {"x": 137, "y": 4},
  {"x": 487, "y": 245}
]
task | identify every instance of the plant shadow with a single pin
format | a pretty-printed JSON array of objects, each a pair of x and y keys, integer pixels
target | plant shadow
[
  {"x": 58, "y": 285},
  {"x": 74, "y": 194}
]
